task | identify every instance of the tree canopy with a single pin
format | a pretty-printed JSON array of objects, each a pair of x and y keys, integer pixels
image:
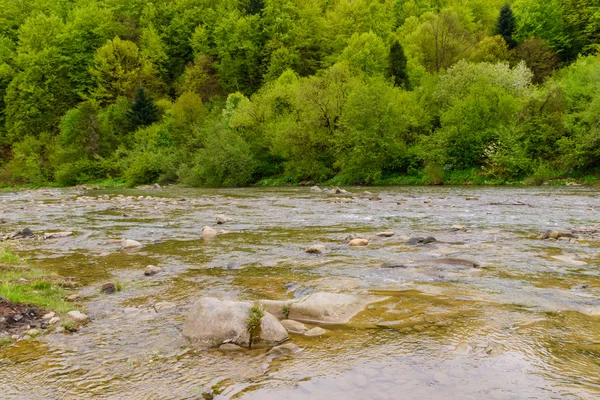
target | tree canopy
[{"x": 237, "y": 92}]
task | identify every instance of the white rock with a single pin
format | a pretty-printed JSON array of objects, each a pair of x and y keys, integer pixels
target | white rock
[
  {"x": 152, "y": 270},
  {"x": 332, "y": 308},
  {"x": 50, "y": 315},
  {"x": 386, "y": 234},
  {"x": 130, "y": 244},
  {"x": 358, "y": 242},
  {"x": 78, "y": 316},
  {"x": 211, "y": 322},
  {"x": 208, "y": 233},
  {"x": 54, "y": 321}
]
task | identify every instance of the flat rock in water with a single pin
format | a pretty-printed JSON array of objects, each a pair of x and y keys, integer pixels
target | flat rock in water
[
  {"x": 294, "y": 326},
  {"x": 212, "y": 322},
  {"x": 230, "y": 347},
  {"x": 421, "y": 240},
  {"x": 331, "y": 308},
  {"x": 452, "y": 261},
  {"x": 386, "y": 234},
  {"x": 358, "y": 242},
  {"x": 394, "y": 264},
  {"x": 570, "y": 259},
  {"x": 130, "y": 244},
  {"x": 284, "y": 350},
  {"x": 316, "y": 331},
  {"x": 57, "y": 235}
]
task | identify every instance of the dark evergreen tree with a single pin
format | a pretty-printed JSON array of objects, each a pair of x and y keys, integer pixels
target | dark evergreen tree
[
  {"x": 506, "y": 25},
  {"x": 143, "y": 110},
  {"x": 398, "y": 65},
  {"x": 254, "y": 7}
]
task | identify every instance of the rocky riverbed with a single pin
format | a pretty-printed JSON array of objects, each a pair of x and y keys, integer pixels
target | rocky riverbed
[{"x": 418, "y": 292}]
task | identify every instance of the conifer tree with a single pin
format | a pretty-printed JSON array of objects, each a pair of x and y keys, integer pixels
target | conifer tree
[
  {"x": 398, "y": 65},
  {"x": 506, "y": 25},
  {"x": 143, "y": 110}
]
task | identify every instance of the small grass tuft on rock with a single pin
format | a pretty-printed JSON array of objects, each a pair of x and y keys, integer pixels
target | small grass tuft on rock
[{"x": 257, "y": 311}]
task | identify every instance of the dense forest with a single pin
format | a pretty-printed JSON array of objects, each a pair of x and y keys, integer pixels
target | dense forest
[{"x": 238, "y": 92}]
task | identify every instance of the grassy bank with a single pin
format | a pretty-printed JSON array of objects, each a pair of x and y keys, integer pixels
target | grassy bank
[{"x": 22, "y": 283}]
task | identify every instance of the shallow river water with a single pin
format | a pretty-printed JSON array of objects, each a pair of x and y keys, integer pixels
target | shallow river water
[{"x": 524, "y": 324}]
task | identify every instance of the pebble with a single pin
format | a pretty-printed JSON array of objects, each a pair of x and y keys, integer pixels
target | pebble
[
  {"x": 50, "y": 315},
  {"x": 72, "y": 297},
  {"x": 54, "y": 321},
  {"x": 221, "y": 219},
  {"x": 33, "y": 332},
  {"x": 316, "y": 249},
  {"x": 78, "y": 316},
  {"x": 358, "y": 242}
]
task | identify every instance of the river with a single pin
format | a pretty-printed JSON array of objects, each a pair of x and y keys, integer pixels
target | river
[{"x": 524, "y": 323}]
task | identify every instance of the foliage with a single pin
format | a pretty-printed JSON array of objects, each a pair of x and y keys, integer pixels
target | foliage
[
  {"x": 257, "y": 312},
  {"x": 281, "y": 91}
]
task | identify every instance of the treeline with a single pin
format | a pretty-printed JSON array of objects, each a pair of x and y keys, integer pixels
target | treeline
[{"x": 235, "y": 92}]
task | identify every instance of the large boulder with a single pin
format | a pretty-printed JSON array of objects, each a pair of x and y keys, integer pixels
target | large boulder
[
  {"x": 212, "y": 322},
  {"x": 330, "y": 308}
]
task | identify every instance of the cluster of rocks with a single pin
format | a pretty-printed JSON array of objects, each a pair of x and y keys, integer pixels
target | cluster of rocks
[
  {"x": 338, "y": 191},
  {"x": 220, "y": 323},
  {"x": 27, "y": 233},
  {"x": 556, "y": 235}
]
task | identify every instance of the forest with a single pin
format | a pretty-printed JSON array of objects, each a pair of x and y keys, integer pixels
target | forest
[{"x": 243, "y": 92}]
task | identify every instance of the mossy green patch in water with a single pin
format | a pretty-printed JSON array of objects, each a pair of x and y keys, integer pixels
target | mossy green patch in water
[{"x": 20, "y": 283}]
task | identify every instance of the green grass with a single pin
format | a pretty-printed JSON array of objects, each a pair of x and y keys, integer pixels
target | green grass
[
  {"x": 6, "y": 341},
  {"x": 257, "y": 311},
  {"x": 70, "y": 326},
  {"x": 21, "y": 283}
]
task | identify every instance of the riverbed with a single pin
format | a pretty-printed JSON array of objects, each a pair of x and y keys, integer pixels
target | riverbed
[{"x": 523, "y": 323}]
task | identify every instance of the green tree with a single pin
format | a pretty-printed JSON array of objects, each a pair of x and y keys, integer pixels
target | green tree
[
  {"x": 505, "y": 26},
  {"x": 398, "y": 65},
  {"x": 143, "y": 110},
  {"x": 119, "y": 69},
  {"x": 367, "y": 53}
]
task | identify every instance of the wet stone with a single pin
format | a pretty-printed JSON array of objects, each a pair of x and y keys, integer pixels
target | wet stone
[
  {"x": 108, "y": 288},
  {"x": 152, "y": 270},
  {"x": 316, "y": 331}
]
